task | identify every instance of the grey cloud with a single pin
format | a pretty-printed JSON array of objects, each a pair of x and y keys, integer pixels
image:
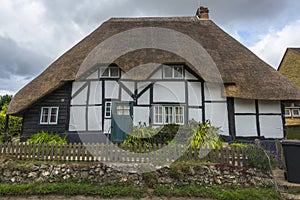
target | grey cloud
[{"x": 17, "y": 60}]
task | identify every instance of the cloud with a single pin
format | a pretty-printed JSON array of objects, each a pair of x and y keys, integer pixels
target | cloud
[
  {"x": 17, "y": 60},
  {"x": 33, "y": 33},
  {"x": 272, "y": 46}
]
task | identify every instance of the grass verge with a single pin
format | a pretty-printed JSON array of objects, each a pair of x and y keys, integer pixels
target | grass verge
[{"x": 71, "y": 189}]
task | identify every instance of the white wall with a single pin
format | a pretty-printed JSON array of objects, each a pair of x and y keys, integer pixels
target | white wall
[
  {"x": 157, "y": 74},
  {"x": 218, "y": 116},
  {"x": 194, "y": 90},
  {"x": 213, "y": 92},
  {"x": 77, "y": 118},
  {"x": 271, "y": 126},
  {"x": 111, "y": 90},
  {"x": 169, "y": 92},
  {"x": 246, "y": 126},
  {"x": 141, "y": 114},
  {"x": 269, "y": 107},
  {"x": 107, "y": 126},
  {"x": 195, "y": 114},
  {"x": 95, "y": 118},
  {"x": 81, "y": 98},
  {"x": 244, "y": 106},
  {"x": 95, "y": 92}
]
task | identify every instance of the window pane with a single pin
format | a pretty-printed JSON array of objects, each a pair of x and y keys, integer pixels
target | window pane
[
  {"x": 45, "y": 112},
  {"x": 296, "y": 112},
  {"x": 114, "y": 72},
  {"x": 126, "y": 110},
  {"x": 53, "y": 118},
  {"x": 158, "y": 114},
  {"x": 178, "y": 71},
  {"x": 168, "y": 72},
  {"x": 168, "y": 115},
  {"x": 287, "y": 112},
  {"x": 108, "y": 109},
  {"x": 104, "y": 72},
  {"x": 179, "y": 114}
]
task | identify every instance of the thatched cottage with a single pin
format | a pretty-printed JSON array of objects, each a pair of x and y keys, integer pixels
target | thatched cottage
[
  {"x": 155, "y": 71},
  {"x": 290, "y": 67}
]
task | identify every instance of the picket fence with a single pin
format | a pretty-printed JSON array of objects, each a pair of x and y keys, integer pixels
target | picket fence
[{"x": 116, "y": 153}]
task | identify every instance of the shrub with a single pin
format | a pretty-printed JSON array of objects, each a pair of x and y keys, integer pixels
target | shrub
[
  {"x": 206, "y": 136},
  {"x": 259, "y": 158},
  {"x": 13, "y": 129},
  {"x": 47, "y": 138}
]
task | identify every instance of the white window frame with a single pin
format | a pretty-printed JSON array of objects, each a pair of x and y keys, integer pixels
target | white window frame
[
  {"x": 102, "y": 69},
  {"x": 108, "y": 107},
  {"x": 163, "y": 117},
  {"x": 173, "y": 72},
  {"x": 290, "y": 113},
  {"x": 298, "y": 112},
  {"x": 49, "y": 116}
]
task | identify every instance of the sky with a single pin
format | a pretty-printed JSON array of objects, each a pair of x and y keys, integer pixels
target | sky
[{"x": 34, "y": 33}]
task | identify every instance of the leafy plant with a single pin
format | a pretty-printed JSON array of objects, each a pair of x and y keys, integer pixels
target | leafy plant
[
  {"x": 206, "y": 136},
  {"x": 47, "y": 138}
]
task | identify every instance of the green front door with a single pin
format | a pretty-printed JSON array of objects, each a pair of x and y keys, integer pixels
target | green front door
[{"x": 121, "y": 122}]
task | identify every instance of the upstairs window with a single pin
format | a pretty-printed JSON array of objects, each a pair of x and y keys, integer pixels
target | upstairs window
[
  {"x": 49, "y": 115},
  {"x": 175, "y": 71},
  {"x": 110, "y": 72}
]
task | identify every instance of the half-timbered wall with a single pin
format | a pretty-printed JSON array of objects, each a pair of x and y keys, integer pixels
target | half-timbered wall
[{"x": 257, "y": 118}]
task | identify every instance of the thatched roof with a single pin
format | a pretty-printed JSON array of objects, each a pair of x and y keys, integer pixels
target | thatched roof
[
  {"x": 290, "y": 65},
  {"x": 244, "y": 74}
]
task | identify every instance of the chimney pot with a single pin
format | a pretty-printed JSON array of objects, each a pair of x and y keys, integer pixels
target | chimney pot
[{"x": 202, "y": 12}]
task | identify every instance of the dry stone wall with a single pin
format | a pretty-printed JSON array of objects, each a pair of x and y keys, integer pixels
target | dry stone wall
[{"x": 111, "y": 174}]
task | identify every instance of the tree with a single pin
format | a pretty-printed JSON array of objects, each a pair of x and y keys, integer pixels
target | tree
[{"x": 5, "y": 100}]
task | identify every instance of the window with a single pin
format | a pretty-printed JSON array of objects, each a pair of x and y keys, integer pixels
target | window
[
  {"x": 173, "y": 71},
  {"x": 108, "y": 109},
  {"x": 168, "y": 114},
  {"x": 49, "y": 115},
  {"x": 110, "y": 72},
  {"x": 287, "y": 113},
  {"x": 296, "y": 113},
  {"x": 123, "y": 109}
]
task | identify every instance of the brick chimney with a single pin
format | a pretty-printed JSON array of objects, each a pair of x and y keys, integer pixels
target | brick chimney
[{"x": 202, "y": 12}]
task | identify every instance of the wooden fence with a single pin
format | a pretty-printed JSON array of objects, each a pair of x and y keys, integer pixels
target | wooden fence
[{"x": 114, "y": 153}]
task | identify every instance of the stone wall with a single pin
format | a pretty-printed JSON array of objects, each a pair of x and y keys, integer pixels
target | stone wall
[{"x": 14, "y": 173}]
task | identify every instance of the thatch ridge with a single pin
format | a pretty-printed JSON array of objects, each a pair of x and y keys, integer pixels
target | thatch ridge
[{"x": 252, "y": 77}]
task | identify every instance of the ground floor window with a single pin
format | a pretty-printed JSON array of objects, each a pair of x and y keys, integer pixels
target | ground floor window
[
  {"x": 49, "y": 115},
  {"x": 168, "y": 114}
]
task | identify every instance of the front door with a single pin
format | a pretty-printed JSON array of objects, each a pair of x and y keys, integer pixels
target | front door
[{"x": 121, "y": 123}]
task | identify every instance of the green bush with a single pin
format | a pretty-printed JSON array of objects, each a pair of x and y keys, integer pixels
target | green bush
[
  {"x": 14, "y": 127},
  {"x": 259, "y": 158},
  {"x": 206, "y": 136},
  {"x": 47, "y": 138}
]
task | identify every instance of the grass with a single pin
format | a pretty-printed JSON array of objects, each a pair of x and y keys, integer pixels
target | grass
[{"x": 71, "y": 189}]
